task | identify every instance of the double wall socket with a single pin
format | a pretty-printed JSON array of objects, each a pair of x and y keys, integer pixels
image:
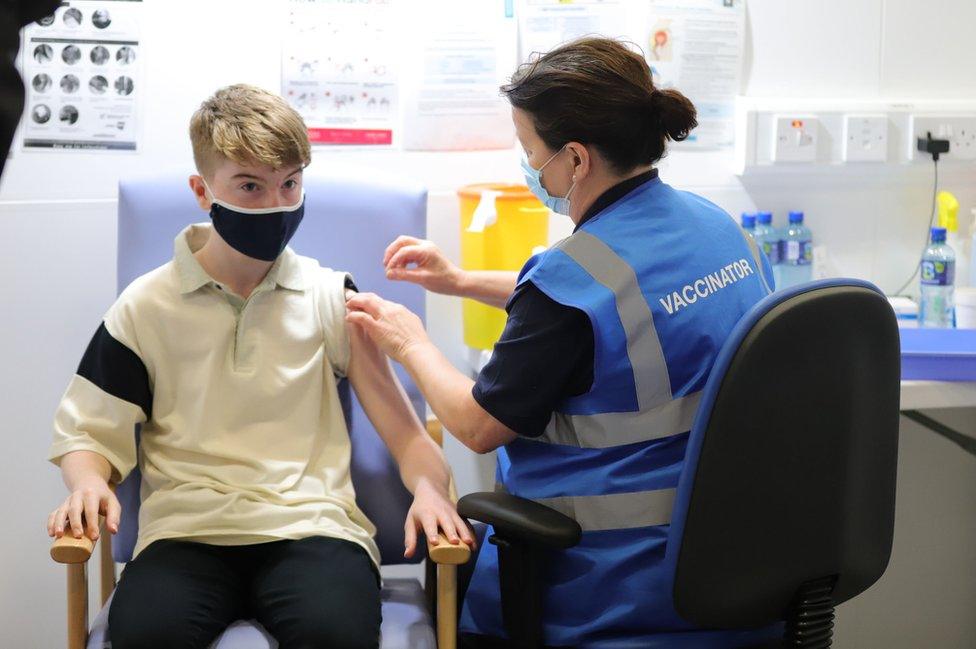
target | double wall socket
[{"x": 960, "y": 130}]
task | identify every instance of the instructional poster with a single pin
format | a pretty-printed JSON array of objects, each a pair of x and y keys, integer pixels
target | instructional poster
[
  {"x": 452, "y": 102},
  {"x": 339, "y": 69},
  {"x": 544, "y": 24},
  {"x": 696, "y": 46},
  {"x": 81, "y": 68}
]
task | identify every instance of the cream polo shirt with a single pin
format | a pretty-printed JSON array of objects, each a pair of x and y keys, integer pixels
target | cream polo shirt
[{"x": 243, "y": 437}]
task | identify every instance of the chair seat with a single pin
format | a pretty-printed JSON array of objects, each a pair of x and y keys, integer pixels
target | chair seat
[{"x": 406, "y": 623}]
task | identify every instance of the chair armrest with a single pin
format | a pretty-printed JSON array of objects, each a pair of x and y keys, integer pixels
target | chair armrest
[
  {"x": 68, "y": 549},
  {"x": 75, "y": 553},
  {"x": 436, "y": 430},
  {"x": 446, "y": 553},
  {"x": 521, "y": 520},
  {"x": 447, "y": 558}
]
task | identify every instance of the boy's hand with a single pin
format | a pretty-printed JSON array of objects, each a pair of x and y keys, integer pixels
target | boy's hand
[
  {"x": 89, "y": 499},
  {"x": 432, "y": 510}
]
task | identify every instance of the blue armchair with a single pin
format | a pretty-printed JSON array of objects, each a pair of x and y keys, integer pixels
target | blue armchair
[{"x": 351, "y": 216}]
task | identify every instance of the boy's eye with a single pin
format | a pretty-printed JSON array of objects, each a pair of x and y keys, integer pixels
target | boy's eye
[
  {"x": 249, "y": 187},
  {"x": 291, "y": 184}
]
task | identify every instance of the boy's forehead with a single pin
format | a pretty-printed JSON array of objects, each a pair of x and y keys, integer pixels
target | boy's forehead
[{"x": 229, "y": 169}]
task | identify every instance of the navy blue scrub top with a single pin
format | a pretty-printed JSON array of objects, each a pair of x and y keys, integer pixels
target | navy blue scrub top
[{"x": 545, "y": 353}]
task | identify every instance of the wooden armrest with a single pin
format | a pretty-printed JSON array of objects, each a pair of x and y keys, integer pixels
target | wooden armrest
[
  {"x": 436, "y": 430},
  {"x": 446, "y": 553},
  {"x": 447, "y": 557},
  {"x": 68, "y": 549},
  {"x": 76, "y": 553}
]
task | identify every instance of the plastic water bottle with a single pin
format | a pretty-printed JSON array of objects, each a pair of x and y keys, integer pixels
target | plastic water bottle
[
  {"x": 938, "y": 275},
  {"x": 796, "y": 252},
  {"x": 749, "y": 224},
  {"x": 768, "y": 239}
]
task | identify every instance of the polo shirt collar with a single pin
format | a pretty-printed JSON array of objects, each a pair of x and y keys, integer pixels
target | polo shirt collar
[{"x": 286, "y": 271}]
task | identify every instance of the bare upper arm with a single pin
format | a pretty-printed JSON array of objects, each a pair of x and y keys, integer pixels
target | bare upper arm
[
  {"x": 372, "y": 377},
  {"x": 383, "y": 398}
]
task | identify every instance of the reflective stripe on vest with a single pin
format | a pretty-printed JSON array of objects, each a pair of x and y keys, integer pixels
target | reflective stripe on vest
[
  {"x": 754, "y": 249},
  {"x": 658, "y": 414},
  {"x": 620, "y": 428},
  {"x": 613, "y": 511},
  {"x": 643, "y": 347}
]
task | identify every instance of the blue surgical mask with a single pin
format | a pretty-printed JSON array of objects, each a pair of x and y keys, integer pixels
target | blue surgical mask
[
  {"x": 533, "y": 178},
  {"x": 258, "y": 233}
]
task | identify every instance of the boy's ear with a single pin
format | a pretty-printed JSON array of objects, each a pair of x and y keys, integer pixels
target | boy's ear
[{"x": 200, "y": 192}]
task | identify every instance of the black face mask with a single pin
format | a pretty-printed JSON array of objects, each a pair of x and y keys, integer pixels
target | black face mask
[{"x": 258, "y": 233}]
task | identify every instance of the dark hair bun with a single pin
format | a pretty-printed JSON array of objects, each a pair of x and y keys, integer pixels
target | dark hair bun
[
  {"x": 675, "y": 113},
  {"x": 600, "y": 91}
]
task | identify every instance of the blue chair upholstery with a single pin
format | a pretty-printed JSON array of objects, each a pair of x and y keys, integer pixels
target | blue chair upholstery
[{"x": 350, "y": 217}]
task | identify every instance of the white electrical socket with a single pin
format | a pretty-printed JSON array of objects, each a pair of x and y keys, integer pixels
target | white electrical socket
[
  {"x": 865, "y": 138},
  {"x": 960, "y": 130},
  {"x": 795, "y": 138}
]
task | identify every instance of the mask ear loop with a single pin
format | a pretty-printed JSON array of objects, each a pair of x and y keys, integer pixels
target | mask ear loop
[
  {"x": 571, "y": 187},
  {"x": 544, "y": 164},
  {"x": 213, "y": 197}
]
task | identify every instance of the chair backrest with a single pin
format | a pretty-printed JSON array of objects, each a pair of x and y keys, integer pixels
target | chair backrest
[
  {"x": 350, "y": 217},
  {"x": 790, "y": 468}
]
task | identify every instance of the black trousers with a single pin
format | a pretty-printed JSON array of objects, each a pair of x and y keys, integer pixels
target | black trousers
[{"x": 312, "y": 593}]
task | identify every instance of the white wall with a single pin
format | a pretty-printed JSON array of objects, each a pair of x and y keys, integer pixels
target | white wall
[{"x": 57, "y": 216}]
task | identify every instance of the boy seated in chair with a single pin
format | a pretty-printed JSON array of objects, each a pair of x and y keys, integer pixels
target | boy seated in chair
[{"x": 228, "y": 357}]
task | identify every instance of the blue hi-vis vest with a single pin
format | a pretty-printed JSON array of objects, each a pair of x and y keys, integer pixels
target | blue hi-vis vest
[{"x": 664, "y": 276}]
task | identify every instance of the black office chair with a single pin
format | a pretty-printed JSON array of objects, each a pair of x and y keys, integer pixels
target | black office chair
[{"x": 785, "y": 506}]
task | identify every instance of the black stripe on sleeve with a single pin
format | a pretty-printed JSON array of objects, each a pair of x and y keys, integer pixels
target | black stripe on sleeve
[{"x": 117, "y": 370}]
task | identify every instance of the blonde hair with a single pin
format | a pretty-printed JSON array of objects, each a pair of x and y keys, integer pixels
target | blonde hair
[{"x": 248, "y": 125}]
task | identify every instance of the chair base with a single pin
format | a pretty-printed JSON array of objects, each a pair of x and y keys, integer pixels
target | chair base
[{"x": 810, "y": 620}]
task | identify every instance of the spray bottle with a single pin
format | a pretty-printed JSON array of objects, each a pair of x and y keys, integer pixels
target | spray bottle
[{"x": 948, "y": 210}]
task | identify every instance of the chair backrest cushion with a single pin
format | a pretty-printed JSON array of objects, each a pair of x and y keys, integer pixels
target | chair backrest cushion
[
  {"x": 350, "y": 217},
  {"x": 790, "y": 469}
]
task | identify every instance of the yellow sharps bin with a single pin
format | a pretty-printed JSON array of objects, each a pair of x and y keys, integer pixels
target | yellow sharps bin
[{"x": 501, "y": 226}]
